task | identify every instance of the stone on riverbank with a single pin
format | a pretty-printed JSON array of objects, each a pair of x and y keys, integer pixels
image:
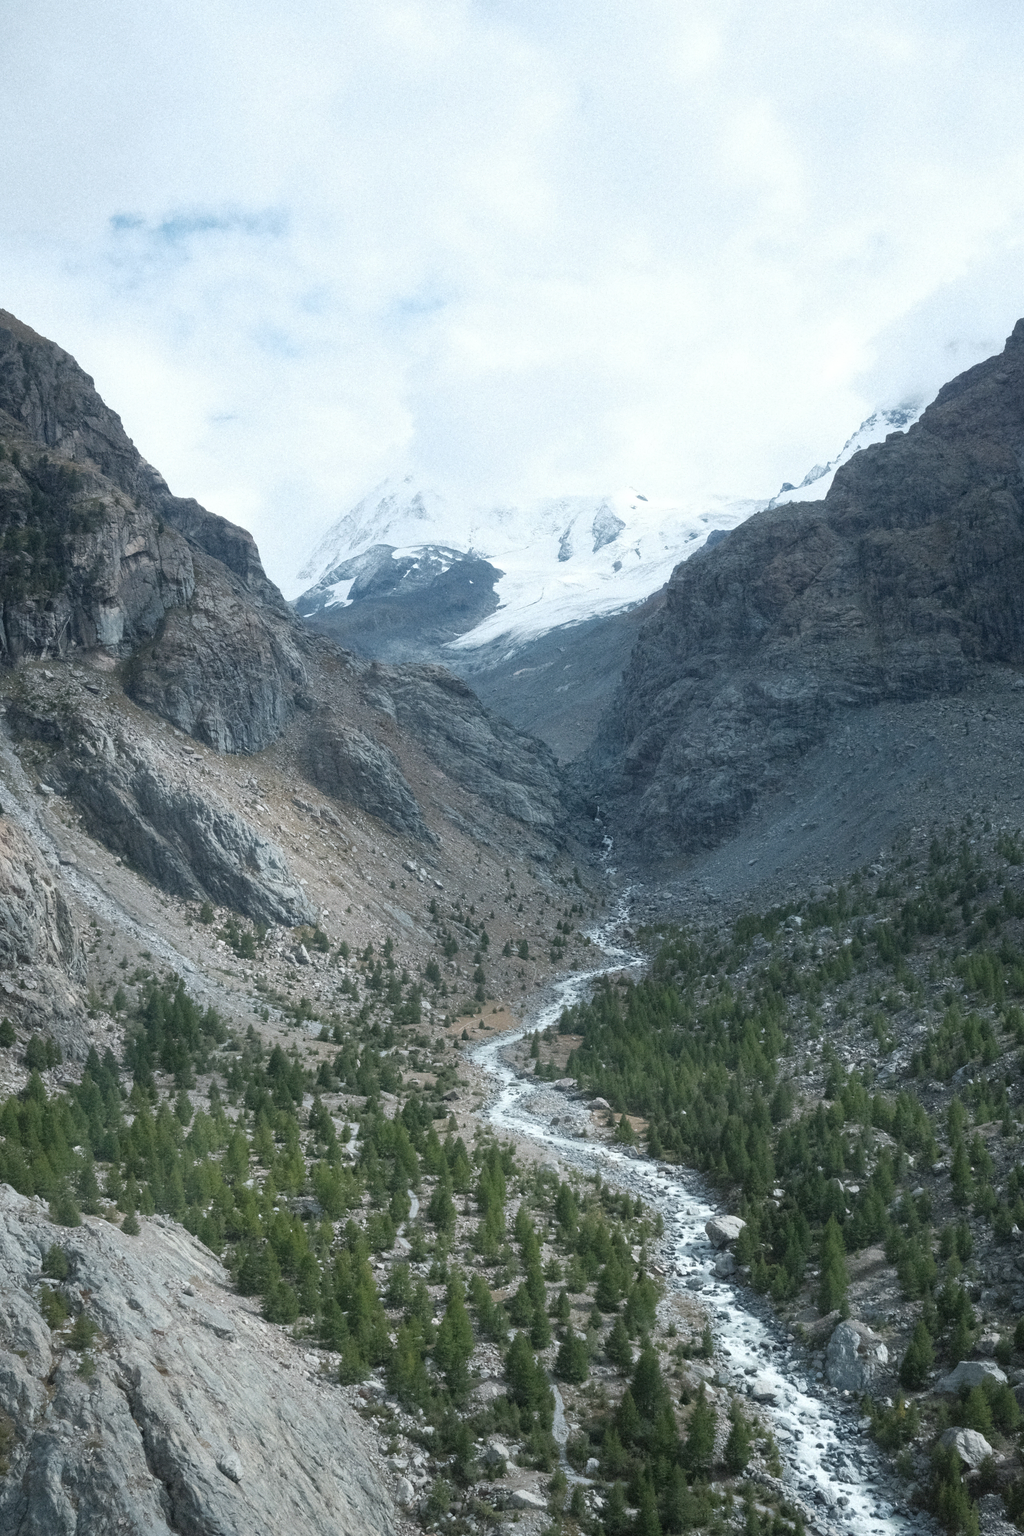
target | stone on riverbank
[
  {"x": 722, "y": 1230},
  {"x": 855, "y": 1357}
]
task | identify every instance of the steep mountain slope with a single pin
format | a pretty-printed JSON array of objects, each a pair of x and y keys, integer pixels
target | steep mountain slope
[
  {"x": 905, "y": 583},
  {"x": 98, "y": 559},
  {"x": 559, "y": 684},
  {"x": 193, "y": 788}
]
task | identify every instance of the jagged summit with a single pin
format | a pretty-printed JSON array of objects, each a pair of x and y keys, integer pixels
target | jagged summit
[{"x": 817, "y": 482}]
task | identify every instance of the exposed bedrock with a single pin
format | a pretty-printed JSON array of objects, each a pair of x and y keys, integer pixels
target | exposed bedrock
[
  {"x": 135, "y": 802},
  {"x": 197, "y": 1418}
]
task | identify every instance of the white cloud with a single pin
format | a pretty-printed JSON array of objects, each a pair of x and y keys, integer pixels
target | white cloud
[{"x": 525, "y": 248}]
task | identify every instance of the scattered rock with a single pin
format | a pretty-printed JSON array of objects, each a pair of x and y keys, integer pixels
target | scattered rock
[
  {"x": 855, "y": 1357},
  {"x": 724, "y": 1229},
  {"x": 970, "y": 1446},
  {"x": 488, "y": 1391}
]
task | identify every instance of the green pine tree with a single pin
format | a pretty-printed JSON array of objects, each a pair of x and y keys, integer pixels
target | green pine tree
[
  {"x": 647, "y": 1522},
  {"x": 919, "y": 1358},
  {"x": 835, "y": 1277},
  {"x": 617, "y": 1346},
  {"x": 738, "y": 1445},
  {"x": 627, "y": 1419},
  {"x": 677, "y": 1503},
  {"x": 699, "y": 1450},
  {"x": 454, "y": 1343},
  {"x": 648, "y": 1387},
  {"x": 572, "y": 1363},
  {"x": 616, "y": 1521}
]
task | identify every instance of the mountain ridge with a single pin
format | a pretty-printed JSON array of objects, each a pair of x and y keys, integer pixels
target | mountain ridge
[{"x": 905, "y": 582}]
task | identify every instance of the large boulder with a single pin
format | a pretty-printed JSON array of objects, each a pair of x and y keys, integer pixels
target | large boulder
[
  {"x": 722, "y": 1230},
  {"x": 970, "y": 1446},
  {"x": 972, "y": 1373},
  {"x": 528, "y": 1499},
  {"x": 855, "y": 1357}
]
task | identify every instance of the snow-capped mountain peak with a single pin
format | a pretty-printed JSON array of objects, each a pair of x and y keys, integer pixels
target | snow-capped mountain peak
[
  {"x": 559, "y": 559},
  {"x": 542, "y": 563},
  {"x": 818, "y": 481}
]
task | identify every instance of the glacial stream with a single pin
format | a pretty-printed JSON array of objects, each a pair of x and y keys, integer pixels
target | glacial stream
[{"x": 829, "y": 1463}]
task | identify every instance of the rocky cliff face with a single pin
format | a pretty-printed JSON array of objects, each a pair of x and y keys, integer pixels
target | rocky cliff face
[
  {"x": 222, "y": 668},
  {"x": 907, "y": 581},
  {"x": 195, "y": 1417},
  {"x": 96, "y": 552},
  {"x": 140, "y": 801}
]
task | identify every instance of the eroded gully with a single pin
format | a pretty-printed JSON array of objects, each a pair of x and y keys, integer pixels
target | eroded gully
[{"x": 829, "y": 1464}]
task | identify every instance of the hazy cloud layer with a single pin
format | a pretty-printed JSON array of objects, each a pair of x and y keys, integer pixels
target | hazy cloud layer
[{"x": 520, "y": 247}]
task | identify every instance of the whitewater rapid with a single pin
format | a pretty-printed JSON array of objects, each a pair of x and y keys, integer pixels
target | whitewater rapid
[{"x": 828, "y": 1461}]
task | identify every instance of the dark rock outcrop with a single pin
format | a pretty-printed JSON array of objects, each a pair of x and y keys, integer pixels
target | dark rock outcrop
[
  {"x": 906, "y": 581},
  {"x": 96, "y": 552},
  {"x": 514, "y": 774},
  {"x": 224, "y": 668},
  {"x": 141, "y": 806},
  {"x": 81, "y": 565},
  {"x": 343, "y": 762}
]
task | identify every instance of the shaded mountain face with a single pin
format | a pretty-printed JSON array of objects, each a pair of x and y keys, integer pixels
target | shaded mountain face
[
  {"x": 558, "y": 685},
  {"x": 401, "y": 607},
  {"x": 906, "y": 582}
]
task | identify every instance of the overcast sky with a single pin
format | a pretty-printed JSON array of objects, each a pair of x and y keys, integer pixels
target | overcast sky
[{"x": 518, "y": 246}]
